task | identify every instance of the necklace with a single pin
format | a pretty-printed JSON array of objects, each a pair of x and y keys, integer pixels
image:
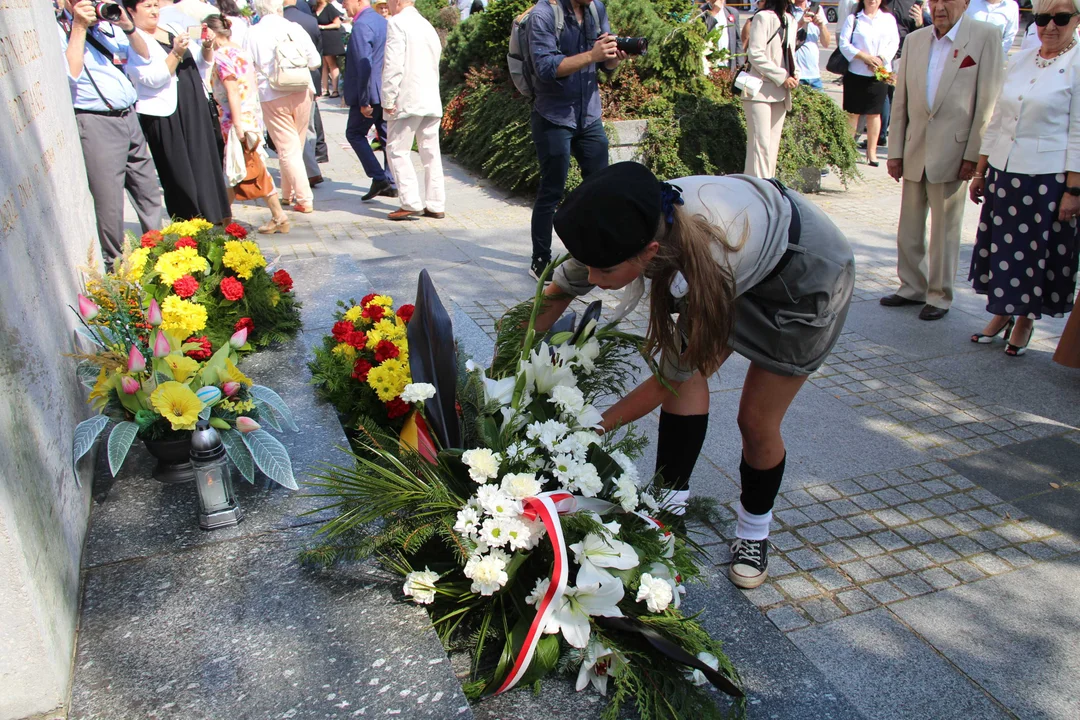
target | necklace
[{"x": 1042, "y": 62}]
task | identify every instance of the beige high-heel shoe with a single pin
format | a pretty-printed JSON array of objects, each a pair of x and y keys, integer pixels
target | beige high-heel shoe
[{"x": 276, "y": 226}]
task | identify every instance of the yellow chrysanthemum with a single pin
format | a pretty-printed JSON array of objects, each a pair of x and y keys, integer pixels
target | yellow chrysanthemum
[
  {"x": 373, "y": 337},
  {"x": 187, "y": 228},
  {"x": 347, "y": 351},
  {"x": 135, "y": 265},
  {"x": 238, "y": 407},
  {"x": 183, "y": 368},
  {"x": 242, "y": 257},
  {"x": 384, "y": 300},
  {"x": 177, "y": 404},
  {"x": 175, "y": 264},
  {"x": 231, "y": 373},
  {"x": 353, "y": 313},
  {"x": 389, "y": 330},
  {"x": 389, "y": 379},
  {"x": 182, "y": 317}
]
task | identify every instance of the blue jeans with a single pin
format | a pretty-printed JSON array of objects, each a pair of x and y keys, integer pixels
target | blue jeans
[
  {"x": 356, "y": 133},
  {"x": 813, "y": 82},
  {"x": 554, "y": 145}
]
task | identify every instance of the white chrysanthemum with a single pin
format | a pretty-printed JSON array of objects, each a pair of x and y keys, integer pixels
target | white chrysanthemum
[
  {"x": 538, "y": 592},
  {"x": 483, "y": 464},
  {"x": 650, "y": 502},
  {"x": 521, "y": 485},
  {"x": 417, "y": 392},
  {"x": 568, "y": 399},
  {"x": 420, "y": 586},
  {"x": 467, "y": 521},
  {"x": 585, "y": 480},
  {"x": 537, "y": 532},
  {"x": 488, "y": 572},
  {"x": 569, "y": 445},
  {"x": 656, "y": 592},
  {"x": 562, "y": 467},
  {"x": 496, "y": 502},
  {"x": 495, "y": 531},
  {"x": 626, "y": 493},
  {"x": 547, "y": 433}
]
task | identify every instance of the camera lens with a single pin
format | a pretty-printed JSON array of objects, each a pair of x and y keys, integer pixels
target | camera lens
[
  {"x": 108, "y": 11},
  {"x": 632, "y": 46}
]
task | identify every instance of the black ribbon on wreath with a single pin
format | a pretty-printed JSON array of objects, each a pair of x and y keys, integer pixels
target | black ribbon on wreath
[{"x": 433, "y": 359}]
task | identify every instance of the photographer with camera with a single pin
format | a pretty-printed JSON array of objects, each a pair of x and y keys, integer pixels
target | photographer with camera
[
  {"x": 813, "y": 34},
  {"x": 94, "y": 36},
  {"x": 566, "y": 109}
]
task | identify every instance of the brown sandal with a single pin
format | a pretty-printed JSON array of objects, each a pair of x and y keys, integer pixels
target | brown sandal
[{"x": 275, "y": 226}]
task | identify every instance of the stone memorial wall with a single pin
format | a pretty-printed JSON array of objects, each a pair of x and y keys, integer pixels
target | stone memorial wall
[{"x": 46, "y": 231}]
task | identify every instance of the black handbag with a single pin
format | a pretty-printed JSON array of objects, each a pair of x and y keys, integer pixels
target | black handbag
[{"x": 837, "y": 63}]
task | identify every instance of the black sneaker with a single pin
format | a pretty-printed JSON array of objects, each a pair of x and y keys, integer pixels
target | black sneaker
[
  {"x": 538, "y": 267},
  {"x": 749, "y": 563}
]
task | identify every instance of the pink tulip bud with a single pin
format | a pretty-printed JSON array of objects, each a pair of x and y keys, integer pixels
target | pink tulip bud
[
  {"x": 239, "y": 338},
  {"x": 136, "y": 361},
  {"x": 230, "y": 388},
  {"x": 87, "y": 309},
  {"x": 153, "y": 315},
  {"x": 245, "y": 424},
  {"x": 129, "y": 385},
  {"x": 161, "y": 345}
]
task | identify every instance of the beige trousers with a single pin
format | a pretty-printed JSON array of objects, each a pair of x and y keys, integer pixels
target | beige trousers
[
  {"x": 764, "y": 123},
  {"x": 927, "y": 274},
  {"x": 399, "y": 140},
  {"x": 286, "y": 120}
]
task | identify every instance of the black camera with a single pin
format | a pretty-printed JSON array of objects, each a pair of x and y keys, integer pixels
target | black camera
[
  {"x": 632, "y": 46},
  {"x": 108, "y": 11}
]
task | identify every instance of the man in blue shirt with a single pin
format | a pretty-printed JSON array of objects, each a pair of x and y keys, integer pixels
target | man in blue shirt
[
  {"x": 363, "y": 94},
  {"x": 114, "y": 148},
  {"x": 566, "y": 109}
]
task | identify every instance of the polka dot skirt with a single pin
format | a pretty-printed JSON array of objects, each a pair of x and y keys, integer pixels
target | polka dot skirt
[{"x": 1024, "y": 260}]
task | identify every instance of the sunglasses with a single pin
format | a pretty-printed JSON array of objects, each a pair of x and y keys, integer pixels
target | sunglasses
[{"x": 1060, "y": 19}]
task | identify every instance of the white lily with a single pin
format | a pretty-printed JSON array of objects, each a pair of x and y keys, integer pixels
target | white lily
[
  {"x": 595, "y": 553},
  {"x": 544, "y": 373},
  {"x": 502, "y": 391},
  {"x": 598, "y": 662},
  {"x": 696, "y": 676},
  {"x": 587, "y": 354},
  {"x": 581, "y": 602}
]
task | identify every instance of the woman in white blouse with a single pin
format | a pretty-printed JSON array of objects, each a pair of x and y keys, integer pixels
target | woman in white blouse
[
  {"x": 869, "y": 40},
  {"x": 1025, "y": 253}
]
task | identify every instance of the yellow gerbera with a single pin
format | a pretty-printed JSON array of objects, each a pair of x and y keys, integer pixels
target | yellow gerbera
[
  {"x": 174, "y": 265},
  {"x": 183, "y": 316},
  {"x": 231, "y": 373},
  {"x": 183, "y": 367},
  {"x": 177, "y": 404},
  {"x": 242, "y": 257},
  {"x": 345, "y": 350},
  {"x": 353, "y": 313},
  {"x": 389, "y": 379}
]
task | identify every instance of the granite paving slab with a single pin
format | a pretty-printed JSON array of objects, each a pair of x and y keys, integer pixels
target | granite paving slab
[
  {"x": 887, "y": 673},
  {"x": 319, "y": 282},
  {"x": 1016, "y": 636},
  {"x": 239, "y": 630}
]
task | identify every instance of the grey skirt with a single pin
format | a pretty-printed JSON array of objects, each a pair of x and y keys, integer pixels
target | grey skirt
[{"x": 789, "y": 322}]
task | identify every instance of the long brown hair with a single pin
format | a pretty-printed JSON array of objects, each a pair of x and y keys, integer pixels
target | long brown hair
[{"x": 691, "y": 245}]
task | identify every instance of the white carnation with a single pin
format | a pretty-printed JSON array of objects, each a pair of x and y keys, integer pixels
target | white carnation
[
  {"x": 626, "y": 493},
  {"x": 417, "y": 392},
  {"x": 656, "y": 592},
  {"x": 488, "y": 572},
  {"x": 569, "y": 399},
  {"x": 483, "y": 464},
  {"x": 629, "y": 468},
  {"x": 585, "y": 480},
  {"x": 521, "y": 485},
  {"x": 538, "y": 592},
  {"x": 420, "y": 586},
  {"x": 650, "y": 502}
]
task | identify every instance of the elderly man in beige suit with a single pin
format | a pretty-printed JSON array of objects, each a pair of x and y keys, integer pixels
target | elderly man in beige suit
[{"x": 948, "y": 81}]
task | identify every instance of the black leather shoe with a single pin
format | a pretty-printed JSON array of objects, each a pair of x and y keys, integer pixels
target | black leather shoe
[
  {"x": 388, "y": 192},
  {"x": 895, "y": 300},
  {"x": 377, "y": 188},
  {"x": 929, "y": 312}
]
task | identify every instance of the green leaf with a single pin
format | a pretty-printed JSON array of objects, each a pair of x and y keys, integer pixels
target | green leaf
[
  {"x": 266, "y": 414},
  {"x": 238, "y": 452},
  {"x": 271, "y": 457},
  {"x": 89, "y": 335},
  {"x": 87, "y": 373},
  {"x": 204, "y": 414},
  {"x": 86, "y": 433},
  {"x": 120, "y": 440},
  {"x": 271, "y": 398},
  {"x": 544, "y": 660},
  {"x": 489, "y": 432}
]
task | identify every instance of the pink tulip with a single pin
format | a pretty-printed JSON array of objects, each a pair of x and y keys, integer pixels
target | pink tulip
[
  {"x": 136, "y": 361},
  {"x": 153, "y": 315},
  {"x": 239, "y": 338},
  {"x": 245, "y": 424},
  {"x": 161, "y": 345},
  {"x": 87, "y": 308},
  {"x": 129, "y": 385},
  {"x": 230, "y": 388}
]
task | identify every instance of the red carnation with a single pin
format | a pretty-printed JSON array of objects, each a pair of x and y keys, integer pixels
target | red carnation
[
  {"x": 151, "y": 238},
  {"x": 405, "y": 312},
  {"x": 283, "y": 280},
  {"x": 200, "y": 353},
  {"x": 366, "y": 299},
  {"x": 236, "y": 230},
  {"x": 186, "y": 242},
  {"x": 341, "y": 330},
  {"x": 360, "y": 369},
  {"x": 374, "y": 313},
  {"x": 357, "y": 339},
  {"x": 244, "y": 322},
  {"x": 232, "y": 288},
  {"x": 186, "y": 286},
  {"x": 386, "y": 350},
  {"x": 396, "y": 408}
]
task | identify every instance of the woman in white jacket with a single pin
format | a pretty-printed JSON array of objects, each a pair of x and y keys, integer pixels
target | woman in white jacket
[{"x": 771, "y": 57}]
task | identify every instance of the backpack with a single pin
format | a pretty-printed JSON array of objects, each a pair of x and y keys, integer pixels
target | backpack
[
  {"x": 519, "y": 59},
  {"x": 290, "y": 72}
]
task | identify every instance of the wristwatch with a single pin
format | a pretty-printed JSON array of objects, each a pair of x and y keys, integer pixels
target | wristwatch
[
  {"x": 1073, "y": 190},
  {"x": 129, "y": 32}
]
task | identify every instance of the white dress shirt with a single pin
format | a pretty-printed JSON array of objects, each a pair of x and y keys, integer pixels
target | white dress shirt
[
  {"x": 876, "y": 36},
  {"x": 1004, "y": 14},
  {"x": 1035, "y": 128},
  {"x": 939, "y": 55},
  {"x": 154, "y": 84},
  {"x": 262, "y": 41},
  {"x": 410, "y": 82}
]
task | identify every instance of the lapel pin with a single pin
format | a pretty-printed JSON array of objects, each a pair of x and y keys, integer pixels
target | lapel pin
[{"x": 954, "y": 53}]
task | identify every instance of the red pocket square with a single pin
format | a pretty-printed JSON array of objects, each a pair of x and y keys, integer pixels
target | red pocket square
[{"x": 967, "y": 62}]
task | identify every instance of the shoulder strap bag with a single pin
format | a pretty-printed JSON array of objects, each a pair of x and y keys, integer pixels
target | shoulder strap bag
[{"x": 837, "y": 62}]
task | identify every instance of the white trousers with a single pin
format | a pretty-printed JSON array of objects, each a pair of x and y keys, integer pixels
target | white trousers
[
  {"x": 764, "y": 124},
  {"x": 399, "y": 140}
]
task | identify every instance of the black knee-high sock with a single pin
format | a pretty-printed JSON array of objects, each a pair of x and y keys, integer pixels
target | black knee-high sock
[
  {"x": 759, "y": 487},
  {"x": 677, "y": 448}
]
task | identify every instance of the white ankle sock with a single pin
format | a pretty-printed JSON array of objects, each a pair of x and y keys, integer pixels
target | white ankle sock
[{"x": 752, "y": 527}]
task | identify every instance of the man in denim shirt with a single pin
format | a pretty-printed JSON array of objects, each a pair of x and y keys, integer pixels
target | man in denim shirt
[{"x": 566, "y": 110}]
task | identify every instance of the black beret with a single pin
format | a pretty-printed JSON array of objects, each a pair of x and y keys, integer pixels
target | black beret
[{"x": 611, "y": 215}]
